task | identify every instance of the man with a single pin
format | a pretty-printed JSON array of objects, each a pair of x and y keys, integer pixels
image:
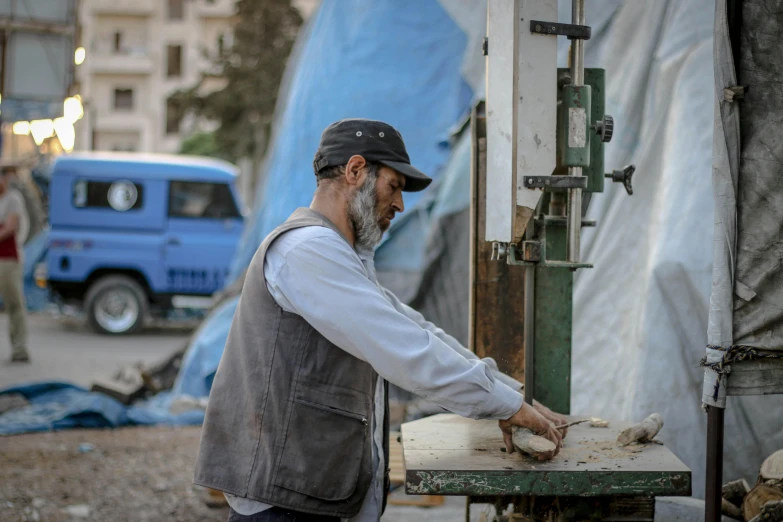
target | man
[
  {"x": 297, "y": 422},
  {"x": 13, "y": 220}
]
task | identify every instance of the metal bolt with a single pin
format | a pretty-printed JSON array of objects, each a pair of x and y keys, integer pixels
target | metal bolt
[
  {"x": 530, "y": 182},
  {"x": 538, "y": 27}
]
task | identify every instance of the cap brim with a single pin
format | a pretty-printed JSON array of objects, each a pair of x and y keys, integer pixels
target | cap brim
[{"x": 415, "y": 180}]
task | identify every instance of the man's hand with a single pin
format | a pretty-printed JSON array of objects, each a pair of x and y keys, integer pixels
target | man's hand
[
  {"x": 530, "y": 418},
  {"x": 554, "y": 418}
]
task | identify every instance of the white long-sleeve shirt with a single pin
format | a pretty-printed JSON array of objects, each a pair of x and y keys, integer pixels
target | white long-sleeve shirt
[{"x": 315, "y": 273}]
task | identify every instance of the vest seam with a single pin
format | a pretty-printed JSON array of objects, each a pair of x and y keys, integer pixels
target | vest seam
[{"x": 260, "y": 415}]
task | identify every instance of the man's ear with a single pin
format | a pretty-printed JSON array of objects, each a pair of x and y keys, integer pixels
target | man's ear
[{"x": 354, "y": 170}]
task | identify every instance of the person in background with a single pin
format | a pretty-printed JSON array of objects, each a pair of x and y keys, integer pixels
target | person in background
[{"x": 13, "y": 220}]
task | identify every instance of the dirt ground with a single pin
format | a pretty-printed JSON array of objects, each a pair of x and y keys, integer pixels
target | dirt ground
[{"x": 129, "y": 474}]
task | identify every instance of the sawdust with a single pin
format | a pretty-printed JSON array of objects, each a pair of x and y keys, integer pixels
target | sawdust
[{"x": 597, "y": 451}]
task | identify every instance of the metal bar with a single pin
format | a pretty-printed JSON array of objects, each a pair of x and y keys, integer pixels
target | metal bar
[
  {"x": 575, "y": 195},
  {"x": 714, "y": 464},
  {"x": 581, "y": 32},
  {"x": 530, "y": 332}
]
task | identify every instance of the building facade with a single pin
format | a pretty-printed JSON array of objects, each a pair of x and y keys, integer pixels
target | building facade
[{"x": 139, "y": 52}]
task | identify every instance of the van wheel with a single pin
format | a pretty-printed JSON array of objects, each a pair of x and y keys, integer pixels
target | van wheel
[{"x": 116, "y": 305}]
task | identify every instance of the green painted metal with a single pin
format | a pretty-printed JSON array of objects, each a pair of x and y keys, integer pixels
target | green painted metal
[
  {"x": 595, "y": 78},
  {"x": 555, "y": 483},
  {"x": 595, "y": 172},
  {"x": 575, "y": 126},
  {"x": 553, "y": 305}
]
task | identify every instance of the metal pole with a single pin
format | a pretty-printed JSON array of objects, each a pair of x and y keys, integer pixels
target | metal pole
[
  {"x": 575, "y": 195},
  {"x": 714, "y": 464},
  {"x": 530, "y": 330}
]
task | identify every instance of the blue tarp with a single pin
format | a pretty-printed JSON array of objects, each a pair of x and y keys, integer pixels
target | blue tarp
[
  {"x": 400, "y": 61},
  {"x": 393, "y": 60}
]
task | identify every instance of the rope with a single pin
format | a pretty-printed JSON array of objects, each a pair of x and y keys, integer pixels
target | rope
[{"x": 735, "y": 354}]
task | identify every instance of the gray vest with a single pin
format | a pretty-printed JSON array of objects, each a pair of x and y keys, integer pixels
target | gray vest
[{"x": 289, "y": 415}]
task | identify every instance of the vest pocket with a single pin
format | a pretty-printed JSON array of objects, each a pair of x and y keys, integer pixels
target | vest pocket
[{"x": 323, "y": 450}]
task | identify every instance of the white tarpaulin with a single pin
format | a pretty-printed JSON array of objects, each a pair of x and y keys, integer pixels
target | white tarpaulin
[{"x": 640, "y": 316}]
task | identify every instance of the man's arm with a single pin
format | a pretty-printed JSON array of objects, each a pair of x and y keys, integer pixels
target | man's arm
[
  {"x": 325, "y": 282},
  {"x": 455, "y": 345}
]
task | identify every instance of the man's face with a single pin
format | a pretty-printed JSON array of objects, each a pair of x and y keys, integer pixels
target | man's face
[
  {"x": 374, "y": 204},
  {"x": 388, "y": 196}
]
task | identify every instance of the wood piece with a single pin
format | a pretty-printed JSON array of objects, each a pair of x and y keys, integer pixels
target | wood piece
[
  {"x": 644, "y": 431},
  {"x": 533, "y": 445},
  {"x": 730, "y": 510},
  {"x": 756, "y": 499},
  {"x": 772, "y": 468},
  {"x": 735, "y": 491},
  {"x": 571, "y": 424},
  {"x": 597, "y": 422}
]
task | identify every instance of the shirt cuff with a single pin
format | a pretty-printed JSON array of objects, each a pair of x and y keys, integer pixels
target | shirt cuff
[{"x": 504, "y": 402}]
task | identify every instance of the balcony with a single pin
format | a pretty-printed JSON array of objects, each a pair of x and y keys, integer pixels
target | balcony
[
  {"x": 215, "y": 9},
  {"x": 139, "y": 62},
  {"x": 121, "y": 121},
  {"x": 124, "y": 7}
]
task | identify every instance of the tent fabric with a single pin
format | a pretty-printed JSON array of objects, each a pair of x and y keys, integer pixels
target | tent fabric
[
  {"x": 392, "y": 60},
  {"x": 758, "y": 281},
  {"x": 725, "y": 173}
]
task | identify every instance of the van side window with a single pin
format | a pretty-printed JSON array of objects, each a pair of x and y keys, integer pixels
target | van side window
[
  {"x": 189, "y": 199},
  {"x": 118, "y": 195}
]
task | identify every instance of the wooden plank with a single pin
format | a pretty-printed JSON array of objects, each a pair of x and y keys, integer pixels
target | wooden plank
[
  {"x": 449, "y": 455},
  {"x": 497, "y": 289},
  {"x": 760, "y": 377}
]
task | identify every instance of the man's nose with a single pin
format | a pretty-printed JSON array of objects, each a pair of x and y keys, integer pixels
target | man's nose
[{"x": 398, "y": 204}]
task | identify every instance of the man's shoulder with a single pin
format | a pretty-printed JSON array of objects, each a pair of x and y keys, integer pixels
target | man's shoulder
[{"x": 304, "y": 238}]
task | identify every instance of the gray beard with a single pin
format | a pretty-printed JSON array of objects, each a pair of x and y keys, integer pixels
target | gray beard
[{"x": 361, "y": 211}]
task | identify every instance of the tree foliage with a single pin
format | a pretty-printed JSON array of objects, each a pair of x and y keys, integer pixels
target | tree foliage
[{"x": 252, "y": 67}]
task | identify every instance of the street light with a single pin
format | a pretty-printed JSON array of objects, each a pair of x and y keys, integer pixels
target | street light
[
  {"x": 79, "y": 55},
  {"x": 65, "y": 133},
  {"x": 41, "y": 129},
  {"x": 21, "y": 128}
]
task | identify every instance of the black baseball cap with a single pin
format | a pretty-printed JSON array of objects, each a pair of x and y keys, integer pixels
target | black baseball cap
[{"x": 376, "y": 141}]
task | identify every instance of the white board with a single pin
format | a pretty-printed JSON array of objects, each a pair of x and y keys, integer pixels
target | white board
[
  {"x": 521, "y": 112},
  {"x": 501, "y": 28},
  {"x": 537, "y": 100}
]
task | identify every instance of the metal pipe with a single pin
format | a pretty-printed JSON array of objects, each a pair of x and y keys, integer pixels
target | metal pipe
[
  {"x": 712, "y": 492},
  {"x": 575, "y": 195},
  {"x": 529, "y": 331}
]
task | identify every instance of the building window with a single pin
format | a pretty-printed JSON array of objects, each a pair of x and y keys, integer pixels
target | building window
[
  {"x": 173, "y": 117},
  {"x": 117, "y": 44},
  {"x": 188, "y": 199},
  {"x": 176, "y": 9},
  {"x": 117, "y": 195},
  {"x": 123, "y": 99},
  {"x": 174, "y": 61}
]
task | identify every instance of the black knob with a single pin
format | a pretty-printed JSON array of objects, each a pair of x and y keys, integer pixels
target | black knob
[
  {"x": 605, "y": 128},
  {"x": 623, "y": 176}
]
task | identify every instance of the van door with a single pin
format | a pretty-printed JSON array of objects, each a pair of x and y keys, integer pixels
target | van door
[{"x": 204, "y": 228}]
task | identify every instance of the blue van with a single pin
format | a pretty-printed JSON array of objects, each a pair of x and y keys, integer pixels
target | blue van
[{"x": 131, "y": 234}]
